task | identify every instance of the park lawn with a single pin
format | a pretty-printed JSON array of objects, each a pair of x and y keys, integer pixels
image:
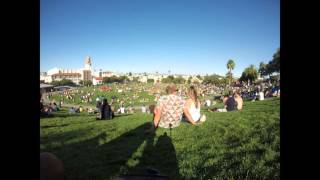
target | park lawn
[
  {"x": 109, "y": 94},
  {"x": 232, "y": 145}
]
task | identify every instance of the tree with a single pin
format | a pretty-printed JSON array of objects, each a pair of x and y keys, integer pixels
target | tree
[
  {"x": 130, "y": 74},
  {"x": 179, "y": 80},
  {"x": 214, "y": 79},
  {"x": 135, "y": 79},
  {"x": 249, "y": 74},
  {"x": 274, "y": 64},
  {"x": 63, "y": 82},
  {"x": 230, "y": 66},
  {"x": 189, "y": 80},
  {"x": 81, "y": 82},
  {"x": 150, "y": 80},
  {"x": 113, "y": 79},
  {"x": 263, "y": 69},
  {"x": 199, "y": 77},
  {"x": 87, "y": 83},
  {"x": 55, "y": 83}
]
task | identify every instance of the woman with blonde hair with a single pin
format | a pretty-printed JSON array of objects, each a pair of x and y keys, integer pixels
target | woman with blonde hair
[{"x": 192, "y": 107}]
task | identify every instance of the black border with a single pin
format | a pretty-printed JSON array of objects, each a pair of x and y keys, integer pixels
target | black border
[{"x": 20, "y": 89}]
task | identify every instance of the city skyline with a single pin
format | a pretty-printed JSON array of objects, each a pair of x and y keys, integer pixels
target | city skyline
[{"x": 185, "y": 37}]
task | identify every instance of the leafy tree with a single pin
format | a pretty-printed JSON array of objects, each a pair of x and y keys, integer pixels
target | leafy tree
[
  {"x": 150, "y": 80},
  {"x": 179, "y": 80},
  {"x": 135, "y": 79},
  {"x": 214, "y": 79},
  {"x": 81, "y": 82},
  {"x": 87, "y": 83},
  {"x": 171, "y": 79},
  {"x": 189, "y": 80},
  {"x": 63, "y": 82},
  {"x": 263, "y": 69},
  {"x": 113, "y": 79},
  {"x": 274, "y": 64},
  {"x": 199, "y": 77},
  {"x": 249, "y": 74}
]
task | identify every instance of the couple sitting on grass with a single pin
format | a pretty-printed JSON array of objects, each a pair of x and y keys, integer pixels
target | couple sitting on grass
[
  {"x": 232, "y": 102},
  {"x": 170, "y": 109}
]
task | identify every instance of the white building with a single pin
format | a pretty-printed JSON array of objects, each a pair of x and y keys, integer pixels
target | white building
[
  {"x": 97, "y": 80},
  {"x": 57, "y": 74}
]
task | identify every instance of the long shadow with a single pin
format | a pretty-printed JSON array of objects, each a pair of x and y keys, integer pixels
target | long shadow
[
  {"x": 101, "y": 158},
  {"x": 61, "y": 115},
  {"x": 160, "y": 157},
  {"x": 120, "y": 115}
]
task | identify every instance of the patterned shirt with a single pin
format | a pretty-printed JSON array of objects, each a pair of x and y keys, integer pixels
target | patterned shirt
[{"x": 172, "y": 109}]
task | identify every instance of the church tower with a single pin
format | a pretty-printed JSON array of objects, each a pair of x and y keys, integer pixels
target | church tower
[
  {"x": 87, "y": 63},
  {"x": 87, "y": 70}
]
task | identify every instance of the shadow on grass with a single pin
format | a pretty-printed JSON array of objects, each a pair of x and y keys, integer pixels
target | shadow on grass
[
  {"x": 120, "y": 115},
  {"x": 95, "y": 159},
  {"x": 52, "y": 126},
  {"x": 62, "y": 115}
]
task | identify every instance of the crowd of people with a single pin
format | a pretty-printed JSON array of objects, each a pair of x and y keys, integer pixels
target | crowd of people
[{"x": 128, "y": 97}]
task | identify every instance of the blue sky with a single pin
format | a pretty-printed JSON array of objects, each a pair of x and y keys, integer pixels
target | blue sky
[{"x": 183, "y": 36}]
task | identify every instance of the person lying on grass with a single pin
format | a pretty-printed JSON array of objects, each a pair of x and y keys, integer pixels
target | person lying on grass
[{"x": 169, "y": 109}]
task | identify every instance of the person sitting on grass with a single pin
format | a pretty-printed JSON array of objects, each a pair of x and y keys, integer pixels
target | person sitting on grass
[
  {"x": 192, "y": 107},
  {"x": 81, "y": 109},
  {"x": 225, "y": 98},
  {"x": 169, "y": 109},
  {"x": 238, "y": 99},
  {"x": 98, "y": 105},
  {"x": 231, "y": 103},
  {"x": 72, "y": 110},
  {"x": 122, "y": 110}
]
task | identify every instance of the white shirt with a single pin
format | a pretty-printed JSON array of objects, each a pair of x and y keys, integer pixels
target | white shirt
[
  {"x": 143, "y": 109},
  {"x": 122, "y": 110},
  {"x": 261, "y": 96},
  {"x": 208, "y": 102},
  {"x": 195, "y": 112}
]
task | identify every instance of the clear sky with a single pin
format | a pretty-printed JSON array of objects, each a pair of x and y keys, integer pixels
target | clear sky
[{"x": 183, "y": 36}]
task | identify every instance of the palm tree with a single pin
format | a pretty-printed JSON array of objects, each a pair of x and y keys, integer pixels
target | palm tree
[{"x": 230, "y": 66}]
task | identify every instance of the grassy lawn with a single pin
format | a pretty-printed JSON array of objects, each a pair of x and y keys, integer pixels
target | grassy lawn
[{"x": 232, "y": 145}]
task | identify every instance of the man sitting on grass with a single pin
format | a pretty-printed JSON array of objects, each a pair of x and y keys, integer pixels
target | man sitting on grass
[{"x": 169, "y": 109}]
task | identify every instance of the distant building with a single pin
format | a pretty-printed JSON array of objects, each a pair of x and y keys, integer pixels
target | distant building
[
  {"x": 108, "y": 74},
  {"x": 75, "y": 76},
  {"x": 97, "y": 80}
]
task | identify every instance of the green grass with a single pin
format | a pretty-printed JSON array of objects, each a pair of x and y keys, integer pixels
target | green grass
[{"x": 232, "y": 145}]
